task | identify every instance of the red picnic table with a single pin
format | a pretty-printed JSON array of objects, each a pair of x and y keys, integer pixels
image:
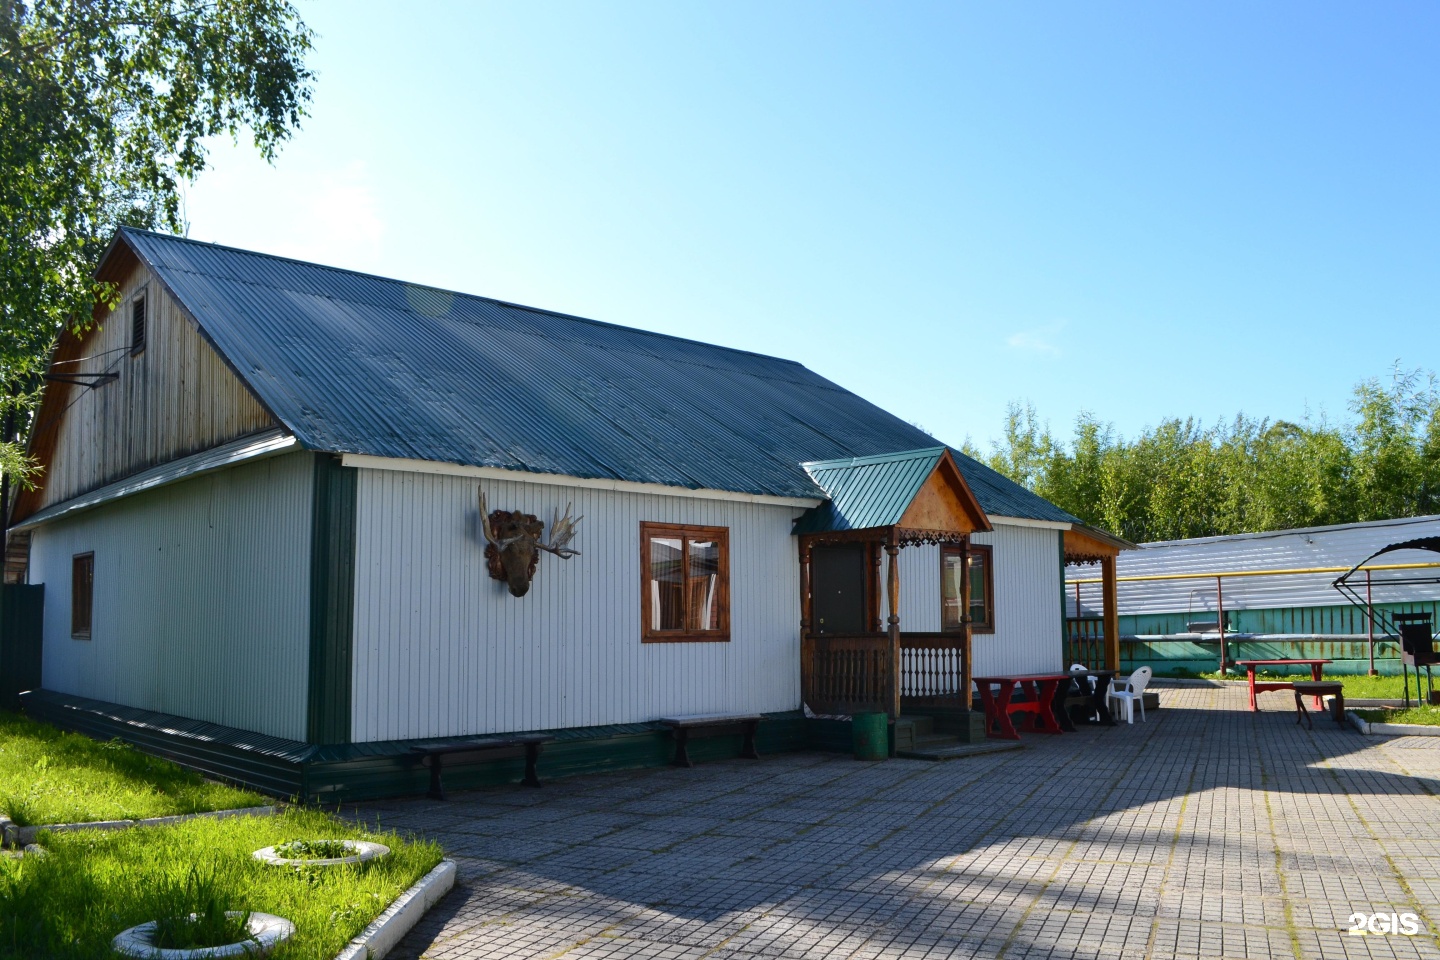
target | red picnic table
[
  {"x": 1040, "y": 690},
  {"x": 1266, "y": 686}
]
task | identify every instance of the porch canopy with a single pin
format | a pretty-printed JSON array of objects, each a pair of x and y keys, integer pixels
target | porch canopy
[
  {"x": 850, "y": 661},
  {"x": 1096, "y": 649}
]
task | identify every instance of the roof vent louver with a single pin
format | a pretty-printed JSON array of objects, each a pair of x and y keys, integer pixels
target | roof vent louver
[{"x": 137, "y": 325}]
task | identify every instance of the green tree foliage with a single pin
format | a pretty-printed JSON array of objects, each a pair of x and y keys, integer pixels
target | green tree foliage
[
  {"x": 105, "y": 107},
  {"x": 1183, "y": 479}
]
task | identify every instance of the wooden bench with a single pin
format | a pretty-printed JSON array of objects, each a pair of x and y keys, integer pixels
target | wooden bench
[
  {"x": 498, "y": 748},
  {"x": 712, "y": 725},
  {"x": 1318, "y": 689}
]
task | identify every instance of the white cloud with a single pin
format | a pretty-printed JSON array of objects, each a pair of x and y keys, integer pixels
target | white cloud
[{"x": 1039, "y": 340}]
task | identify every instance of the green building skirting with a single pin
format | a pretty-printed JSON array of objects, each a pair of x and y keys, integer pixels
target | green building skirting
[{"x": 360, "y": 771}]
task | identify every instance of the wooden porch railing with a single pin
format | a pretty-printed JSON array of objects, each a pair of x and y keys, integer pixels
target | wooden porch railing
[
  {"x": 1085, "y": 642},
  {"x": 852, "y": 674},
  {"x": 849, "y": 674},
  {"x": 932, "y": 669}
]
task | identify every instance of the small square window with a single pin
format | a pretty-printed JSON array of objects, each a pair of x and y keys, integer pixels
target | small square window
[
  {"x": 685, "y": 573},
  {"x": 137, "y": 325},
  {"x": 82, "y": 594}
]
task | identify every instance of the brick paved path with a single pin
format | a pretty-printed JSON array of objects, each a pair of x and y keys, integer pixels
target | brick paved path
[{"x": 1208, "y": 832}]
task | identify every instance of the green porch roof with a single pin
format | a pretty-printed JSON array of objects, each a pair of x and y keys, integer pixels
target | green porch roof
[{"x": 867, "y": 492}]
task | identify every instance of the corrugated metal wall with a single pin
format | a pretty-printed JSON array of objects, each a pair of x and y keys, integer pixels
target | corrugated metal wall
[
  {"x": 201, "y": 598},
  {"x": 1195, "y": 599},
  {"x": 919, "y": 589},
  {"x": 441, "y": 649},
  {"x": 1027, "y": 637}
]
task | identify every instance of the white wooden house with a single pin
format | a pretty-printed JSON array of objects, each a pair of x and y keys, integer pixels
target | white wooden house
[{"x": 259, "y": 531}]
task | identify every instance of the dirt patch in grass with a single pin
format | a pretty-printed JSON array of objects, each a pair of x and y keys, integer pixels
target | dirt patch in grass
[
  {"x": 95, "y": 884},
  {"x": 49, "y": 776}
]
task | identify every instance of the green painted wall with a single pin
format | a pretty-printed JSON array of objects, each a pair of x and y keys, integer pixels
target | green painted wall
[
  {"x": 332, "y": 601},
  {"x": 1340, "y": 618},
  {"x": 1349, "y": 655}
]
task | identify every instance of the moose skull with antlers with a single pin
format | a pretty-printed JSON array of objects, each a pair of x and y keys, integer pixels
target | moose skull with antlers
[{"x": 513, "y": 545}]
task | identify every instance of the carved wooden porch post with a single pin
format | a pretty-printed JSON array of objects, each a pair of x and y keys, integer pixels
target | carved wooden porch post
[
  {"x": 965, "y": 646},
  {"x": 893, "y": 582},
  {"x": 874, "y": 554},
  {"x": 1111, "y": 605}
]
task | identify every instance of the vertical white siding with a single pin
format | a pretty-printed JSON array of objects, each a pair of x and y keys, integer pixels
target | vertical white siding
[
  {"x": 919, "y": 589},
  {"x": 201, "y": 604},
  {"x": 442, "y": 649},
  {"x": 1028, "y": 629}
]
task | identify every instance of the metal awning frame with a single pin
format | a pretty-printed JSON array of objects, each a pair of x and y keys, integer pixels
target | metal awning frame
[
  {"x": 1349, "y": 583},
  {"x": 1349, "y": 589}
]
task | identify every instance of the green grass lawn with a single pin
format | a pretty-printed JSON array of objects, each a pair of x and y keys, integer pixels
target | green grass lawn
[
  {"x": 95, "y": 884},
  {"x": 1424, "y": 716},
  {"x": 47, "y": 776}
]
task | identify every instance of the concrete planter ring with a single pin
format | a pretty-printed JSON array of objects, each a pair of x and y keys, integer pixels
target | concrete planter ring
[
  {"x": 267, "y": 932},
  {"x": 361, "y": 851}
]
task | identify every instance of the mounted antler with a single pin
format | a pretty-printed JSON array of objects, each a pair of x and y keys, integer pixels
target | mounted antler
[
  {"x": 488, "y": 529},
  {"x": 562, "y": 531},
  {"x": 513, "y": 545}
]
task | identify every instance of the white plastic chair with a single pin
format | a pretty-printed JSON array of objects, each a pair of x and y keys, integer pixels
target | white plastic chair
[{"x": 1130, "y": 693}]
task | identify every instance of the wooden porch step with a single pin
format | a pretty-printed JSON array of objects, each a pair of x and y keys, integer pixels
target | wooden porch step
[
  {"x": 957, "y": 750},
  {"x": 909, "y": 731},
  {"x": 927, "y": 744},
  {"x": 924, "y": 726}
]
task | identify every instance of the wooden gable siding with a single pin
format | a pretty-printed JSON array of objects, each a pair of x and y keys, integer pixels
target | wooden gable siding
[
  {"x": 944, "y": 502},
  {"x": 174, "y": 398}
]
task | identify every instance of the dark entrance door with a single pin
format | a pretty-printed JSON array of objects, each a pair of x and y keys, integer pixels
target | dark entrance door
[
  {"x": 22, "y": 610},
  {"x": 837, "y": 585}
]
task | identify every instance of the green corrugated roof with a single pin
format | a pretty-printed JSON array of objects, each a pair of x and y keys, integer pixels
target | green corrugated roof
[
  {"x": 867, "y": 492},
  {"x": 1002, "y": 497},
  {"x": 350, "y": 363}
]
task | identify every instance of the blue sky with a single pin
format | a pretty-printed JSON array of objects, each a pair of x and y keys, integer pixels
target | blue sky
[{"x": 1139, "y": 210}]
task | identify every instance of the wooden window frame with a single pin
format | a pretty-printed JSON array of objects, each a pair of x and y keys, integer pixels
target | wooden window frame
[
  {"x": 139, "y": 309},
  {"x": 975, "y": 548},
  {"x": 86, "y": 562},
  {"x": 685, "y": 533}
]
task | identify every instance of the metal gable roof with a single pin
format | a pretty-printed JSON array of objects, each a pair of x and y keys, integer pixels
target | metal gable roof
[
  {"x": 867, "y": 492},
  {"x": 1330, "y": 549},
  {"x": 1003, "y": 497},
  {"x": 352, "y": 363}
]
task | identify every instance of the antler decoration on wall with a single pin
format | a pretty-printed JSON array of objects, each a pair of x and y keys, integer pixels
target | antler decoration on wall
[{"x": 513, "y": 544}]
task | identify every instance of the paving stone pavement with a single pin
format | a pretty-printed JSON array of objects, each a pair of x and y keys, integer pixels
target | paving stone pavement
[{"x": 1206, "y": 832}]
